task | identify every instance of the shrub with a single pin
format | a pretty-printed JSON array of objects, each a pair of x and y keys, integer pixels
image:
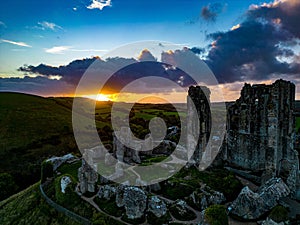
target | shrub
[
  {"x": 216, "y": 215},
  {"x": 109, "y": 206},
  {"x": 279, "y": 214},
  {"x": 69, "y": 199}
]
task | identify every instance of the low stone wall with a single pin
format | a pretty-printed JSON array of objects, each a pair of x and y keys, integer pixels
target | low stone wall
[{"x": 67, "y": 212}]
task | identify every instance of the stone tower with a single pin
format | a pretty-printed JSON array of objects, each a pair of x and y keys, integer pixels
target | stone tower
[{"x": 198, "y": 116}]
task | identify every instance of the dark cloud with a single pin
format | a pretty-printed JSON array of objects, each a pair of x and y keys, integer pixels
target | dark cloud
[
  {"x": 36, "y": 85},
  {"x": 211, "y": 11},
  {"x": 284, "y": 14},
  {"x": 197, "y": 50},
  {"x": 70, "y": 73},
  {"x": 140, "y": 70},
  {"x": 254, "y": 49},
  {"x": 121, "y": 71}
]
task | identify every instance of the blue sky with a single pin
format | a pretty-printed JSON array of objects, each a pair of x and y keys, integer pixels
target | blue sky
[
  {"x": 69, "y": 23},
  {"x": 240, "y": 40}
]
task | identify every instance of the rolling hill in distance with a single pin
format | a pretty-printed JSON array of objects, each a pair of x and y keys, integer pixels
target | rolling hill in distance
[{"x": 33, "y": 128}]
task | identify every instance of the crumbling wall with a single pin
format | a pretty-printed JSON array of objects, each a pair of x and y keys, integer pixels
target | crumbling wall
[
  {"x": 261, "y": 131},
  {"x": 198, "y": 121}
]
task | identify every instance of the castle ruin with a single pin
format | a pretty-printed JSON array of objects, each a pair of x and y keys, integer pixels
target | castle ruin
[{"x": 260, "y": 134}]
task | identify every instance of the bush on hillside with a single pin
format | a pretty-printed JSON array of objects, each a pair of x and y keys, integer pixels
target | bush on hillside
[{"x": 216, "y": 215}]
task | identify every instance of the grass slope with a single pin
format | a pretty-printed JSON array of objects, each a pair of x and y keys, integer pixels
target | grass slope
[
  {"x": 29, "y": 207},
  {"x": 32, "y": 128}
]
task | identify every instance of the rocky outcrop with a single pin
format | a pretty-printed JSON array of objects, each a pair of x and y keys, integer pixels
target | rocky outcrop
[
  {"x": 107, "y": 192},
  {"x": 269, "y": 221},
  {"x": 157, "y": 206},
  {"x": 181, "y": 207},
  {"x": 57, "y": 161},
  {"x": 87, "y": 177},
  {"x": 250, "y": 205},
  {"x": 64, "y": 182},
  {"x": 135, "y": 202},
  {"x": 204, "y": 197}
]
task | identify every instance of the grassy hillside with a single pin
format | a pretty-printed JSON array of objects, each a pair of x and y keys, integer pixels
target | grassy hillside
[
  {"x": 28, "y": 207},
  {"x": 32, "y": 128}
]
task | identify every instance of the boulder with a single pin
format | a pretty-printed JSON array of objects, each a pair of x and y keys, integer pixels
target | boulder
[
  {"x": 135, "y": 202},
  {"x": 250, "y": 205},
  {"x": 107, "y": 192},
  {"x": 181, "y": 207},
  {"x": 269, "y": 221},
  {"x": 205, "y": 197},
  {"x": 157, "y": 206},
  {"x": 64, "y": 182}
]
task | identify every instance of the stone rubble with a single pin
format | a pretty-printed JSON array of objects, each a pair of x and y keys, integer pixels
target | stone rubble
[
  {"x": 157, "y": 206},
  {"x": 251, "y": 205}
]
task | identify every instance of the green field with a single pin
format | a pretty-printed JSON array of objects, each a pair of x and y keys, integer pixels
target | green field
[{"x": 34, "y": 128}]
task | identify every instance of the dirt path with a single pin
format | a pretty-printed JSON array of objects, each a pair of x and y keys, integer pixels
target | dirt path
[
  {"x": 91, "y": 201},
  {"x": 197, "y": 213}
]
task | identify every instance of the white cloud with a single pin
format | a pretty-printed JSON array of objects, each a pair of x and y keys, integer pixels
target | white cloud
[
  {"x": 236, "y": 27},
  {"x": 62, "y": 49},
  {"x": 22, "y": 44},
  {"x": 48, "y": 26},
  {"x": 2, "y": 24},
  {"x": 99, "y": 4},
  {"x": 58, "y": 49}
]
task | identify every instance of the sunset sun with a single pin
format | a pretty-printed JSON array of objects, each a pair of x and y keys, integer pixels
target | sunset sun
[{"x": 99, "y": 97}]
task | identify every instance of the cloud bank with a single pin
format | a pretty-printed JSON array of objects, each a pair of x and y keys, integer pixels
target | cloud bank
[{"x": 261, "y": 47}]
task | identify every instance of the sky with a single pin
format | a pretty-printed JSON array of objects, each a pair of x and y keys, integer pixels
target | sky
[{"x": 46, "y": 46}]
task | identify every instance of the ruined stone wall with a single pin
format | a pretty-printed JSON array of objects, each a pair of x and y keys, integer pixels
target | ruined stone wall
[
  {"x": 261, "y": 126},
  {"x": 198, "y": 116}
]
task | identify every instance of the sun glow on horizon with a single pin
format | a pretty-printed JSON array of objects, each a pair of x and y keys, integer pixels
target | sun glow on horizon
[{"x": 99, "y": 97}]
